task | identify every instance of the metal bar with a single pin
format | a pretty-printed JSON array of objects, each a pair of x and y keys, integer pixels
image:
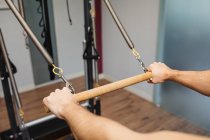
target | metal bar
[
  {"x": 96, "y": 77},
  {"x": 14, "y": 89},
  {"x": 40, "y": 120},
  {"x": 7, "y": 94},
  {"x": 46, "y": 118},
  {"x": 92, "y": 13},
  {"x": 119, "y": 24},
  {"x": 87, "y": 20},
  {"x": 21, "y": 10},
  {"x": 12, "y": 79},
  {"x": 85, "y": 66},
  {"x": 125, "y": 35},
  {"x": 29, "y": 32}
]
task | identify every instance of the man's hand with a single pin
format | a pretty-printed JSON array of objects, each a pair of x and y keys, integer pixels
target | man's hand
[
  {"x": 57, "y": 101},
  {"x": 160, "y": 72}
]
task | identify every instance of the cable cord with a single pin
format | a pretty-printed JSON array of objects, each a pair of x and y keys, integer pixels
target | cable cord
[
  {"x": 68, "y": 11},
  {"x": 42, "y": 22}
]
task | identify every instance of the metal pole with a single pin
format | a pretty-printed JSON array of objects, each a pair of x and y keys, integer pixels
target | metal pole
[
  {"x": 29, "y": 32},
  {"x": 96, "y": 74},
  {"x": 85, "y": 65},
  {"x": 20, "y": 5},
  {"x": 89, "y": 52},
  {"x": 36, "y": 42},
  {"x": 119, "y": 24},
  {"x": 94, "y": 40},
  {"x": 24, "y": 130},
  {"x": 12, "y": 79},
  {"x": 7, "y": 94},
  {"x": 125, "y": 35}
]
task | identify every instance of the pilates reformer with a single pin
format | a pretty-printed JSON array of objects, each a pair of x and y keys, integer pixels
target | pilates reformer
[
  {"x": 36, "y": 125},
  {"x": 91, "y": 93}
]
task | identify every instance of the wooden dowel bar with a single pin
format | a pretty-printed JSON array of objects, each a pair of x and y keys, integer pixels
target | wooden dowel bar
[{"x": 85, "y": 95}]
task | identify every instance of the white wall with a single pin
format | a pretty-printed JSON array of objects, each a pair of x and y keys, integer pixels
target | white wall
[
  {"x": 140, "y": 19},
  {"x": 69, "y": 38},
  {"x": 69, "y": 43}
]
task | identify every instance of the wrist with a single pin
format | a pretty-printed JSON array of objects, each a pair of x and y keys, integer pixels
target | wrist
[
  {"x": 173, "y": 74},
  {"x": 70, "y": 107}
]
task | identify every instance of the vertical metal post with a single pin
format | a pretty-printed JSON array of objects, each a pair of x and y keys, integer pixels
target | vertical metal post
[
  {"x": 7, "y": 93},
  {"x": 97, "y": 103},
  {"x": 92, "y": 14},
  {"x": 85, "y": 66},
  {"x": 12, "y": 79},
  {"x": 17, "y": 100},
  {"x": 89, "y": 51}
]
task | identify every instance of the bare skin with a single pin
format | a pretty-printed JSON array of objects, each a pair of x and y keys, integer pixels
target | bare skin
[
  {"x": 87, "y": 126},
  {"x": 196, "y": 80}
]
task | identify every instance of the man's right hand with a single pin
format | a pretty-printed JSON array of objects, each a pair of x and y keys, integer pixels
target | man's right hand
[
  {"x": 160, "y": 72},
  {"x": 59, "y": 100}
]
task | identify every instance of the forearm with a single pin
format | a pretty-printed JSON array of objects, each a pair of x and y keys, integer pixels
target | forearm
[
  {"x": 87, "y": 126},
  {"x": 171, "y": 135},
  {"x": 196, "y": 80}
]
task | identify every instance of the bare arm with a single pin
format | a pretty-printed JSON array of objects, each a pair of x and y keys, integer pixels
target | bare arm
[
  {"x": 87, "y": 126},
  {"x": 196, "y": 80}
]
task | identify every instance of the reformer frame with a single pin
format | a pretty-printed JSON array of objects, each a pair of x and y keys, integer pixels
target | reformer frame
[
  {"x": 55, "y": 127},
  {"x": 89, "y": 56}
]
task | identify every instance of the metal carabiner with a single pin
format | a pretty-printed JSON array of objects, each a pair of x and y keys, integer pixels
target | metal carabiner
[
  {"x": 59, "y": 72},
  {"x": 138, "y": 57}
]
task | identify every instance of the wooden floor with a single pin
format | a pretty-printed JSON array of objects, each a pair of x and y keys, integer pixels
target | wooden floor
[{"x": 122, "y": 106}]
